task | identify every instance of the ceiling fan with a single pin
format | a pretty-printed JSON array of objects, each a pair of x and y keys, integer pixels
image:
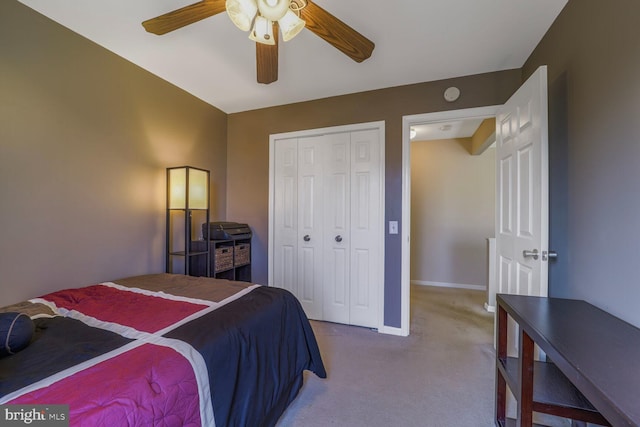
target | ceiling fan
[{"x": 263, "y": 18}]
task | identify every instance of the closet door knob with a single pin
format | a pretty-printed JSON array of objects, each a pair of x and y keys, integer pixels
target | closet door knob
[
  {"x": 338, "y": 238},
  {"x": 306, "y": 238}
]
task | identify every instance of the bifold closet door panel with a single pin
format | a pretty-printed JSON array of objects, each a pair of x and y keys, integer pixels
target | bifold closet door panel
[
  {"x": 311, "y": 159},
  {"x": 364, "y": 245},
  {"x": 285, "y": 215},
  {"x": 337, "y": 218}
]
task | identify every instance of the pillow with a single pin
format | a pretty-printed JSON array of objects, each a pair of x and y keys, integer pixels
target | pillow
[{"x": 16, "y": 330}]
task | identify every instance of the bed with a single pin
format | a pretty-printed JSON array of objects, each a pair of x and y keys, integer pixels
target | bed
[{"x": 163, "y": 350}]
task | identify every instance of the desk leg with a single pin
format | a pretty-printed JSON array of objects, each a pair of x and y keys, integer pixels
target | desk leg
[
  {"x": 501, "y": 355},
  {"x": 525, "y": 379}
]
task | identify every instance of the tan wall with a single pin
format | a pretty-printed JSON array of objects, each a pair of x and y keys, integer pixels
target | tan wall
[
  {"x": 452, "y": 212},
  {"x": 479, "y": 138},
  {"x": 85, "y": 138},
  {"x": 248, "y": 152}
]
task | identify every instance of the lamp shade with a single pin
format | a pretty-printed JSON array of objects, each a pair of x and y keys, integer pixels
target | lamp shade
[
  {"x": 290, "y": 25},
  {"x": 187, "y": 188},
  {"x": 242, "y": 12},
  {"x": 262, "y": 31}
]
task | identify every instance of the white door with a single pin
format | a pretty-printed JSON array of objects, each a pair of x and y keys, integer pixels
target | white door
[
  {"x": 352, "y": 219},
  {"x": 522, "y": 209},
  {"x": 337, "y": 208},
  {"x": 310, "y": 225},
  {"x": 366, "y": 218},
  {"x": 326, "y": 202},
  {"x": 285, "y": 215}
]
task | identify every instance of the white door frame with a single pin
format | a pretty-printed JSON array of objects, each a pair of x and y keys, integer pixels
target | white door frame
[
  {"x": 380, "y": 127},
  {"x": 407, "y": 122}
]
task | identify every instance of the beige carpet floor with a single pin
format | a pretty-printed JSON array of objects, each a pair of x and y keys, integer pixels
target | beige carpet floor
[{"x": 442, "y": 375}]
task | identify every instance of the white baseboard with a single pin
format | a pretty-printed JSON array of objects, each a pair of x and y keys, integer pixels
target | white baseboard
[
  {"x": 490, "y": 308},
  {"x": 390, "y": 330},
  {"x": 449, "y": 285}
]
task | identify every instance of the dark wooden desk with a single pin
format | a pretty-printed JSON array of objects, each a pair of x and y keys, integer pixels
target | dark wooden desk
[{"x": 595, "y": 374}]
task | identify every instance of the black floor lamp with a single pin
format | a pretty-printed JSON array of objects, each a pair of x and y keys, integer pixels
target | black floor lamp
[{"x": 188, "y": 193}]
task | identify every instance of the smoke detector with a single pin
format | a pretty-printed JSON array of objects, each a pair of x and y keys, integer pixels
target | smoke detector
[{"x": 451, "y": 94}]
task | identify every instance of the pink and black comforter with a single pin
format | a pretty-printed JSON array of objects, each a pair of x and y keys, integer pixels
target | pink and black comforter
[{"x": 165, "y": 350}]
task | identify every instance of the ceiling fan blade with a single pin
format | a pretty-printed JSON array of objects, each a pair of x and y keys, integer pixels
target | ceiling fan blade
[
  {"x": 184, "y": 16},
  {"x": 334, "y": 31},
  {"x": 267, "y": 60}
]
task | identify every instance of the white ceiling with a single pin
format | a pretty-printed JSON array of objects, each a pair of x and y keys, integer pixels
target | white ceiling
[
  {"x": 416, "y": 41},
  {"x": 446, "y": 130}
]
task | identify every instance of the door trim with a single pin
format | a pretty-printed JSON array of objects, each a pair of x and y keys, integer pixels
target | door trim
[
  {"x": 405, "y": 256},
  {"x": 380, "y": 127}
]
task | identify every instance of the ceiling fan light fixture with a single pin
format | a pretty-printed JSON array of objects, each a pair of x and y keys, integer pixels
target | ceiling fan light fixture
[
  {"x": 242, "y": 12},
  {"x": 290, "y": 25},
  {"x": 262, "y": 19},
  {"x": 273, "y": 10},
  {"x": 262, "y": 31}
]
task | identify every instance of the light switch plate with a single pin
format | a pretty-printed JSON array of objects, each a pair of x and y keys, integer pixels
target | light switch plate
[{"x": 393, "y": 227}]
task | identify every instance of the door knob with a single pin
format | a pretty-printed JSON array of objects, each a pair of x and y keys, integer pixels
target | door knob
[
  {"x": 533, "y": 254},
  {"x": 549, "y": 255},
  {"x": 306, "y": 238},
  {"x": 338, "y": 238}
]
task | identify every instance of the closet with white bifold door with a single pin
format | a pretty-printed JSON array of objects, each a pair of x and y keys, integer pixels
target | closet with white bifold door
[{"x": 326, "y": 221}]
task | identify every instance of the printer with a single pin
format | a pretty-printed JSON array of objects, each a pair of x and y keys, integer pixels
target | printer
[{"x": 222, "y": 230}]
